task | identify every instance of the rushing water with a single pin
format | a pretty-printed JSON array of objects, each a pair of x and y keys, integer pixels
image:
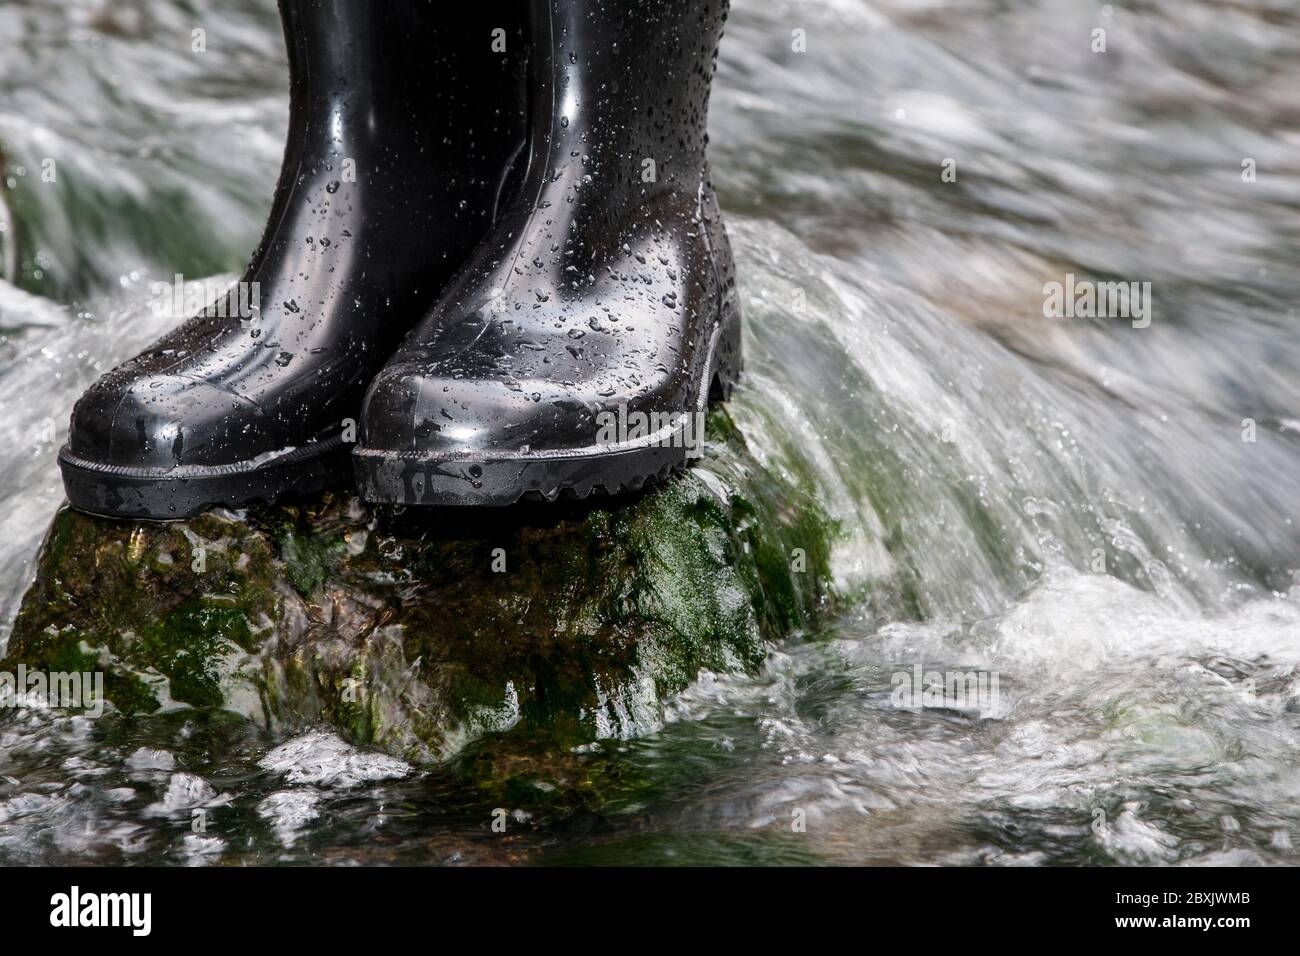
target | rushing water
[{"x": 1074, "y": 503}]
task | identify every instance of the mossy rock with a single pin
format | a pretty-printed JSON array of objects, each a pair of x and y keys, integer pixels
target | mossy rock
[{"x": 422, "y": 630}]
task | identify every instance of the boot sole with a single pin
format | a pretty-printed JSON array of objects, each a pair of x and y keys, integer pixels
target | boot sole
[
  {"x": 161, "y": 494},
  {"x": 465, "y": 479}
]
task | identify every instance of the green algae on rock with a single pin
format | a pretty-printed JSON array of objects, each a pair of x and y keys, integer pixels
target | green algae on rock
[{"x": 420, "y": 631}]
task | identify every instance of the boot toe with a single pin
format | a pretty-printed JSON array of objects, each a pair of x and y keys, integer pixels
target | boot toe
[
  {"x": 166, "y": 421},
  {"x": 411, "y": 408}
]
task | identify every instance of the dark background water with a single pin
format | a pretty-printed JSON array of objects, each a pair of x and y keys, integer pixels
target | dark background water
[{"x": 1148, "y": 706}]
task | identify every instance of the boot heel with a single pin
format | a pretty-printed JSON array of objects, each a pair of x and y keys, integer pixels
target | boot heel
[{"x": 728, "y": 357}]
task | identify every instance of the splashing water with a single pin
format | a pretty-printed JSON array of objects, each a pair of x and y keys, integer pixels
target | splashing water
[{"x": 1089, "y": 522}]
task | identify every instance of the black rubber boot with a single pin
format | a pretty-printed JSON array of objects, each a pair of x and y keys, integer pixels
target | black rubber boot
[
  {"x": 576, "y": 350},
  {"x": 403, "y": 122}
]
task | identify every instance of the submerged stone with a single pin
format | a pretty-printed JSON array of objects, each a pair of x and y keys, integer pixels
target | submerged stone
[{"x": 422, "y": 631}]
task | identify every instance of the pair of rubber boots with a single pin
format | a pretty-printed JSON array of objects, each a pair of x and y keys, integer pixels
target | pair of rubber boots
[{"x": 494, "y": 270}]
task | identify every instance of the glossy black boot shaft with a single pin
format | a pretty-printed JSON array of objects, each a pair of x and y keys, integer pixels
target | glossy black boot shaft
[
  {"x": 575, "y": 351},
  {"x": 403, "y": 122}
]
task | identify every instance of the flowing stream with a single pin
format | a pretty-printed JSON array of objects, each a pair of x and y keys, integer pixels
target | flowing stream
[{"x": 1095, "y": 518}]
